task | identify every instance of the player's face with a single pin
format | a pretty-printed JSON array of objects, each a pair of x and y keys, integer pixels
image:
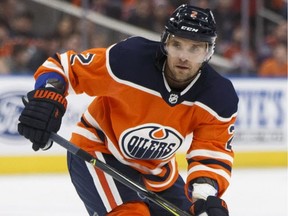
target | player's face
[{"x": 184, "y": 58}]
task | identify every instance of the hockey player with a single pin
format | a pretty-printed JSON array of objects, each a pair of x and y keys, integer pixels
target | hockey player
[{"x": 150, "y": 97}]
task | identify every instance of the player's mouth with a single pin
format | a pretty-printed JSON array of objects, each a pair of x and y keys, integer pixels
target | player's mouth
[{"x": 182, "y": 67}]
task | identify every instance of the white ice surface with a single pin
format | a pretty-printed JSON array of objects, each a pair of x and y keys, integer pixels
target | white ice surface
[{"x": 253, "y": 192}]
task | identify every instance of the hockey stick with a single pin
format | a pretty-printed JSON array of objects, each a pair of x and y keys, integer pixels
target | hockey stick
[{"x": 118, "y": 176}]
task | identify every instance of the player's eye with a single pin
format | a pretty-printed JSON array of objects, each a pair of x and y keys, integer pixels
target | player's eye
[
  {"x": 197, "y": 48},
  {"x": 176, "y": 45}
]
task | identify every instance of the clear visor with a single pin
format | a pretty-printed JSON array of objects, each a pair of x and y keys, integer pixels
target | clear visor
[{"x": 197, "y": 52}]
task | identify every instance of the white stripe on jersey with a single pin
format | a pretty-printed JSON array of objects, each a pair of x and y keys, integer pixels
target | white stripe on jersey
[
  {"x": 206, "y": 168},
  {"x": 87, "y": 134},
  {"x": 212, "y": 112},
  {"x": 65, "y": 62},
  {"x": 91, "y": 120},
  {"x": 168, "y": 181},
  {"x": 99, "y": 187},
  {"x": 51, "y": 65},
  {"x": 210, "y": 154}
]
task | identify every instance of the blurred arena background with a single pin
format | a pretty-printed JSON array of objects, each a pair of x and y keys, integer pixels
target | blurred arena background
[
  {"x": 249, "y": 34},
  {"x": 251, "y": 50}
]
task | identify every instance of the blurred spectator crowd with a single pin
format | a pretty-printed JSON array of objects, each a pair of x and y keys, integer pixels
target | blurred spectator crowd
[{"x": 28, "y": 37}]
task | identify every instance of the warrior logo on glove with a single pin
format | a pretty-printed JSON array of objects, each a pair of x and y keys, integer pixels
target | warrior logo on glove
[
  {"x": 48, "y": 94},
  {"x": 42, "y": 115}
]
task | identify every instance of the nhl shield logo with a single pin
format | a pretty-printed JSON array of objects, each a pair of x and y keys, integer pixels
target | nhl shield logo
[{"x": 173, "y": 98}]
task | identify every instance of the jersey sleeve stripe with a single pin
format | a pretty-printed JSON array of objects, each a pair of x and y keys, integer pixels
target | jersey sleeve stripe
[
  {"x": 210, "y": 154},
  {"x": 212, "y": 162},
  {"x": 51, "y": 65},
  {"x": 64, "y": 62},
  {"x": 206, "y": 168}
]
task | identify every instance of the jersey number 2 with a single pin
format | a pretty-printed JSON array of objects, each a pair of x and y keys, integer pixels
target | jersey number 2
[
  {"x": 231, "y": 130},
  {"x": 84, "y": 59}
]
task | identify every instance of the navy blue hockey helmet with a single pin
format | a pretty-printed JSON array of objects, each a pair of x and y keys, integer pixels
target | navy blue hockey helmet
[{"x": 192, "y": 23}]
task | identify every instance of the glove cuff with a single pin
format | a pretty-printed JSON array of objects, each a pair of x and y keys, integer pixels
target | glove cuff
[{"x": 203, "y": 190}]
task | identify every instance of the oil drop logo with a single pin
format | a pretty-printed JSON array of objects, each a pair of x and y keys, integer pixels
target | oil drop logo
[{"x": 150, "y": 142}]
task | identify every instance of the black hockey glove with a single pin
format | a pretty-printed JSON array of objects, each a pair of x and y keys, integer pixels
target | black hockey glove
[
  {"x": 213, "y": 206},
  {"x": 41, "y": 115}
]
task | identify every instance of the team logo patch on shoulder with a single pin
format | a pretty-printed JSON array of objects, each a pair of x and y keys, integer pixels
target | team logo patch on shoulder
[{"x": 150, "y": 141}]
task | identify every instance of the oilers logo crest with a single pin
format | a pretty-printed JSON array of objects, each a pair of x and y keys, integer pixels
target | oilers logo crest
[{"x": 150, "y": 142}]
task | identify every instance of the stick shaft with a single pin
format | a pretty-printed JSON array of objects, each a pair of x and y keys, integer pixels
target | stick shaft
[{"x": 72, "y": 148}]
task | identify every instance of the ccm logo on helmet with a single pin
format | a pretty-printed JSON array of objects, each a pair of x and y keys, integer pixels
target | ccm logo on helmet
[
  {"x": 150, "y": 141},
  {"x": 186, "y": 28}
]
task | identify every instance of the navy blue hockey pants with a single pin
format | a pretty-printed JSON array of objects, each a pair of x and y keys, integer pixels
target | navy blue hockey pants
[{"x": 89, "y": 183}]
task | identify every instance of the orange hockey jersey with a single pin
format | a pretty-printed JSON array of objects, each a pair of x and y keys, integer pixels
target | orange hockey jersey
[{"x": 139, "y": 119}]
